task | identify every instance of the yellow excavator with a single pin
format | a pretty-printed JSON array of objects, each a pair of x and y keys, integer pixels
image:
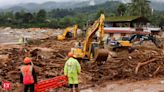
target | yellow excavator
[
  {"x": 129, "y": 43},
  {"x": 92, "y": 49},
  {"x": 69, "y": 32}
]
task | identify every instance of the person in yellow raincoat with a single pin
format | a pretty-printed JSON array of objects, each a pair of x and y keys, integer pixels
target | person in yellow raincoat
[{"x": 72, "y": 69}]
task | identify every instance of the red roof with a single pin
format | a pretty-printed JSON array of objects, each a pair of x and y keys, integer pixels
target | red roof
[
  {"x": 125, "y": 31},
  {"x": 117, "y": 31}
]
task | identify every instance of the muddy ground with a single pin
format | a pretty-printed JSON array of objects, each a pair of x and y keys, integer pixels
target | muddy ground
[
  {"x": 146, "y": 62},
  {"x": 151, "y": 85}
]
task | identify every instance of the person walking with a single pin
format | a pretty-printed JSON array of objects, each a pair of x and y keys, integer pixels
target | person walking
[
  {"x": 72, "y": 69},
  {"x": 28, "y": 76}
]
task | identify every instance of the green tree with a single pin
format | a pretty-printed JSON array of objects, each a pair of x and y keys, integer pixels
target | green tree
[
  {"x": 18, "y": 15},
  {"x": 27, "y": 18},
  {"x": 140, "y": 7},
  {"x": 121, "y": 9},
  {"x": 8, "y": 16},
  {"x": 41, "y": 15}
]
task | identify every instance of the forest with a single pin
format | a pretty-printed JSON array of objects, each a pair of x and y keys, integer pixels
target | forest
[{"x": 61, "y": 18}]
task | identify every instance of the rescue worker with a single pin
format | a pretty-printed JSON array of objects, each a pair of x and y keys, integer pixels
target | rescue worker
[
  {"x": 72, "y": 69},
  {"x": 28, "y": 76}
]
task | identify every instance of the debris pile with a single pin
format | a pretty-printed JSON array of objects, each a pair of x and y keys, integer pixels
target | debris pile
[
  {"x": 49, "y": 58},
  {"x": 141, "y": 64},
  {"x": 49, "y": 62}
]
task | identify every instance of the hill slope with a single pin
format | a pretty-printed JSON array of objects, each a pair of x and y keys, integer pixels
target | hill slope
[{"x": 32, "y": 7}]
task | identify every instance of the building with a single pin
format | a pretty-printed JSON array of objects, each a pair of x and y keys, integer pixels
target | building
[
  {"x": 127, "y": 25},
  {"x": 118, "y": 32},
  {"x": 126, "y": 21}
]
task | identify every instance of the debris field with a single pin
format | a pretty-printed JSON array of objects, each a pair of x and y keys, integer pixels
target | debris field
[{"x": 49, "y": 58}]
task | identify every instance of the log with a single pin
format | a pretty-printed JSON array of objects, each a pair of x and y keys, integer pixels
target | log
[
  {"x": 54, "y": 65},
  {"x": 156, "y": 71},
  {"x": 62, "y": 56},
  {"x": 144, "y": 63}
]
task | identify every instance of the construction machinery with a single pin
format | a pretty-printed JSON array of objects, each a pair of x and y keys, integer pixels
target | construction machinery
[
  {"x": 124, "y": 43},
  {"x": 93, "y": 48},
  {"x": 69, "y": 32}
]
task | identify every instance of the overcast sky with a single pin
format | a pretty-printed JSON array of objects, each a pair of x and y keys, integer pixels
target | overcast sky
[{"x": 12, "y": 2}]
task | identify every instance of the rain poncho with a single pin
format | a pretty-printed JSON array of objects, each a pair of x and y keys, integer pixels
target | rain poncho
[{"x": 72, "y": 69}]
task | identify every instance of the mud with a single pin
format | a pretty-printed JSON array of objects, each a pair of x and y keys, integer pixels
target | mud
[
  {"x": 126, "y": 66},
  {"x": 50, "y": 55},
  {"x": 152, "y": 85},
  {"x": 49, "y": 61}
]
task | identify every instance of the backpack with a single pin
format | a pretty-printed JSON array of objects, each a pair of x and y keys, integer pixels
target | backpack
[{"x": 27, "y": 75}]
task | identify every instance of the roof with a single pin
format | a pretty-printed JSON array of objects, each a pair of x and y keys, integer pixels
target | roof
[
  {"x": 130, "y": 31},
  {"x": 118, "y": 31},
  {"x": 122, "y": 18}
]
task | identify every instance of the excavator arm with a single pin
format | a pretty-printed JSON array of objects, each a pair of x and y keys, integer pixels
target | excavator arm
[
  {"x": 75, "y": 31},
  {"x": 97, "y": 26},
  {"x": 155, "y": 40}
]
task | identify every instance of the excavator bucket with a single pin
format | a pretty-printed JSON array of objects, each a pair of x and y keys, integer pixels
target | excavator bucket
[
  {"x": 157, "y": 42},
  {"x": 101, "y": 55}
]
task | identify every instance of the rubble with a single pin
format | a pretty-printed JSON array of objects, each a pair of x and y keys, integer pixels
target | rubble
[
  {"x": 143, "y": 64},
  {"x": 49, "y": 58},
  {"x": 49, "y": 62}
]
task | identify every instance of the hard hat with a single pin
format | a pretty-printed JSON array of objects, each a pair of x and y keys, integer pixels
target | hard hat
[
  {"x": 27, "y": 60},
  {"x": 70, "y": 54}
]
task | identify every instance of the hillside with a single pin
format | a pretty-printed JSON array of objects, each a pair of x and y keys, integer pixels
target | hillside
[
  {"x": 32, "y": 7},
  {"x": 109, "y": 6}
]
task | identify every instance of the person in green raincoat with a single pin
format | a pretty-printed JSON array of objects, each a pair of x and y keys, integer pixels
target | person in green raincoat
[{"x": 72, "y": 69}]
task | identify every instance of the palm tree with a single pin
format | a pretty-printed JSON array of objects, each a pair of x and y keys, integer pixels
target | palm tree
[{"x": 140, "y": 7}]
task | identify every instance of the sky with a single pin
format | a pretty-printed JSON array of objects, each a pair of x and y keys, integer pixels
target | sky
[{"x": 13, "y": 2}]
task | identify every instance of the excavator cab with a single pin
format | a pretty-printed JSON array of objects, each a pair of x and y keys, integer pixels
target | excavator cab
[
  {"x": 69, "y": 35},
  {"x": 69, "y": 32}
]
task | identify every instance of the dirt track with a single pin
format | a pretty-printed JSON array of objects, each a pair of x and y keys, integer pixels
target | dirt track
[{"x": 49, "y": 58}]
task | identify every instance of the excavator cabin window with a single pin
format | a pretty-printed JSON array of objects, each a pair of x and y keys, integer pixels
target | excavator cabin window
[{"x": 69, "y": 35}]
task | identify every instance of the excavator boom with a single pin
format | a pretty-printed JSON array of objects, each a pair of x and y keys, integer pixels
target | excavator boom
[{"x": 97, "y": 26}]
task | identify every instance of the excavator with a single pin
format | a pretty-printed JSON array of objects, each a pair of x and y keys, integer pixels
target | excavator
[
  {"x": 129, "y": 43},
  {"x": 92, "y": 49},
  {"x": 69, "y": 32}
]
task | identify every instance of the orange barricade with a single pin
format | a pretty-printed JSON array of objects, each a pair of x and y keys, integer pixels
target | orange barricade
[{"x": 55, "y": 82}]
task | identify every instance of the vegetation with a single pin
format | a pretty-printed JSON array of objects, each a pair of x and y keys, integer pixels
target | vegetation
[
  {"x": 121, "y": 10},
  {"x": 61, "y": 18},
  {"x": 140, "y": 7}
]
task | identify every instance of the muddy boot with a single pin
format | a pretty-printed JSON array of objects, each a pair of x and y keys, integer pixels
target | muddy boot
[{"x": 77, "y": 90}]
